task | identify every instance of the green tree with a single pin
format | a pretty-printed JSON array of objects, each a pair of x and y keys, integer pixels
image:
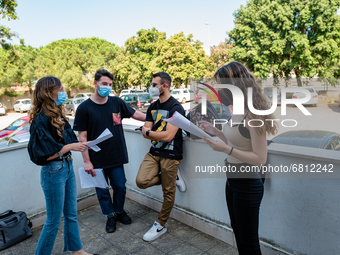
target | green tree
[
  {"x": 220, "y": 54},
  {"x": 282, "y": 37},
  {"x": 75, "y": 61},
  {"x": 183, "y": 58},
  {"x": 7, "y": 10},
  {"x": 132, "y": 66}
]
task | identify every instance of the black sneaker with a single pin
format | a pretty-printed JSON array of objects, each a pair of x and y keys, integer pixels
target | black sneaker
[
  {"x": 123, "y": 218},
  {"x": 111, "y": 223}
]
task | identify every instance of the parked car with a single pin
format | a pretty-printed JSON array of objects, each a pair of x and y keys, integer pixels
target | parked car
[
  {"x": 16, "y": 136},
  {"x": 2, "y": 110},
  {"x": 14, "y": 126},
  {"x": 23, "y": 105},
  {"x": 314, "y": 96},
  {"x": 126, "y": 92},
  {"x": 268, "y": 91},
  {"x": 113, "y": 94},
  {"x": 71, "y": 105},
  {"x": 310, "y": 138},
  {"x": 139, "y": 102},
  {"x": 183, "y": 95},
  {"x": 84, "y": 95},
  {"x": 223, "y": 111}
]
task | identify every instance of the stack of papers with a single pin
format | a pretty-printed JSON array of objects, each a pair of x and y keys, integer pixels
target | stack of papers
[{"x": 87, "y": 181}]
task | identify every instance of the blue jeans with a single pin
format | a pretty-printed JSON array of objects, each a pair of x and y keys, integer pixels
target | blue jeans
[
  {"x": 116, "y": 175},
  {"x": 243, "y": 200},
  {"x": 59, "y": 185}
]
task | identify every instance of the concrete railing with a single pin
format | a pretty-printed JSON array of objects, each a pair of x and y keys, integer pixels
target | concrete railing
[{"x": 297, "y": 215}]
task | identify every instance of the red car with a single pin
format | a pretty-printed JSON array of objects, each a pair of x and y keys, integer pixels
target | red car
[{"x": 14, "y": 126}]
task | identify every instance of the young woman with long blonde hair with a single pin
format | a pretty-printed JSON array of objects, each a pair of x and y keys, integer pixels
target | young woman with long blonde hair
[
  {"x": 51, "y": 142},
  {"x": 245, "y": 143}
]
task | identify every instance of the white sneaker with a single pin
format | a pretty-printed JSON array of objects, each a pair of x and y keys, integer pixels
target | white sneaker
[
  {"x": 180, "y": 182},
  {"x": 154, "y": 232}
]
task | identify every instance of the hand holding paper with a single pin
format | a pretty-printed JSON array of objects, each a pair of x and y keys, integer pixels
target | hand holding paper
[
  {"x": 180, "y": 121},
  {"x": 104, "y": 136},
  {"x": 88, "y": 181}
]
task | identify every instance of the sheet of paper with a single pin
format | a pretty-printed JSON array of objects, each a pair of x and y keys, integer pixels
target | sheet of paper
[
  {"x": 103, "y": 136},
  {"x": 87, "y": 181},
  {"x": 180, "y": 121}
]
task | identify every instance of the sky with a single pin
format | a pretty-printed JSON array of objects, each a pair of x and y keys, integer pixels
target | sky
[{"x": 41, "y": 22}]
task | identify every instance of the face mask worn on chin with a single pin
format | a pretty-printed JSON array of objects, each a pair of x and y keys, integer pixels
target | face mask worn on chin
[
  {"x": 61, "y": 98},
  {"x": 104, "y": 91},
  {"x": 154, "y": 91}
]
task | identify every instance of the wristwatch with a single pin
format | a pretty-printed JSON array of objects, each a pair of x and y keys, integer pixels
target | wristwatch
[{"x": 147, "y": 132}]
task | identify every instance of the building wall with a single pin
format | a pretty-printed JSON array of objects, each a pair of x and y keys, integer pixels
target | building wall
[{"x": 298, "y": 215}]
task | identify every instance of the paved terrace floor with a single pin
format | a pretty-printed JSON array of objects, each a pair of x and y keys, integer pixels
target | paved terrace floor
[{"x": 179, "y": 239}]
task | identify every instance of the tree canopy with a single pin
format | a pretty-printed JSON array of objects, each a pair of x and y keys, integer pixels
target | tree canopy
[
  {"x": 7, "y": 10},
  {"x": 285, "y": 37}
]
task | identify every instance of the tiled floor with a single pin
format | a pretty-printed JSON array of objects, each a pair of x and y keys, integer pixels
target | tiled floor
[{"x": 179, "y": 239}]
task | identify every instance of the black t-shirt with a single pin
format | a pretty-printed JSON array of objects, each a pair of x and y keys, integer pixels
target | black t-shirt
[
  {"x": 95, "y": 118},
  {"x": 45, "y": 141},
  {"x": 156, "y": 113}
]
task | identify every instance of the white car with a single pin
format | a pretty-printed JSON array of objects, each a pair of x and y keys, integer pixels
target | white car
[
  {"x": 126, "y": 92},
  {"x": 2, "y": 110},
  {"x": 113, "y": 93},
  {"x": 314, "y": 96},
  {"x": 23, "y": 105},
  {"x": 84, "y": 95},
  {"x": 183, "y": 95}
]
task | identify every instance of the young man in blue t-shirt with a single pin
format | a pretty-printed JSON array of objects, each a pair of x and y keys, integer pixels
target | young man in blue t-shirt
[{"x": 160, "y": 165}]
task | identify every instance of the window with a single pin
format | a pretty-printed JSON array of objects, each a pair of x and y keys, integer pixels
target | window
[
  {"x": 26, "y": 102},
  {"x": 191, "y": 91},
  {"x": 144, "y": 97},
  {"x": 174, "y": 92},
  {"x": 186, "y": 91},
  {"x": 15, "y": 124}
]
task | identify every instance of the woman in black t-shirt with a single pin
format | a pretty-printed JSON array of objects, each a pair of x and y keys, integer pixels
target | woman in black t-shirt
[{"x": 50, "y": 144}]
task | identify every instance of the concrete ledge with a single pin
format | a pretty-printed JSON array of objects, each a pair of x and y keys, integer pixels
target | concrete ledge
[{"x": 207, "y": 226}]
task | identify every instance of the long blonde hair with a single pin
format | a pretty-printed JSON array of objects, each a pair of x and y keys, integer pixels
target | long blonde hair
[
  {"x": 237, "y": 74},
  {"x": 45, "y": 103}
]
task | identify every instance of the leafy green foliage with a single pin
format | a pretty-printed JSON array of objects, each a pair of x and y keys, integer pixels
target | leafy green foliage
[
  {"x": 7, "y": 10},
  {"x": 282, "y": 37}
]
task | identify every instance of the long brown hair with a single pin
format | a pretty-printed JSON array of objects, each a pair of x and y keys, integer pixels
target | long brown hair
[
  {"x": 45, "y": 103},
  {"x": 237, "y": 74}
]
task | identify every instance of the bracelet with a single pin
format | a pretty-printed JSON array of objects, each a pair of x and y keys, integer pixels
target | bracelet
[
  {"x": 231, "y": 150},
  {"x": 60, "y": 154}
]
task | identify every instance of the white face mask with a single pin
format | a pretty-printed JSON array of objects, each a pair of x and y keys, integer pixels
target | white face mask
[{"x": 154, "y": 91}]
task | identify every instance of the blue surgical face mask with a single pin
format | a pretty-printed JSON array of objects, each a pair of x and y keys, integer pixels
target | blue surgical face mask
[
  {"x": 61, "y": 98},
  {"x": 104, "y": 91}
]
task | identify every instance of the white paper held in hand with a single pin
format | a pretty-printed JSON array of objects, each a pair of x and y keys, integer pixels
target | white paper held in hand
[
  {"x": 180, "y": 121},
  {"x": 103, "y": 136},
  {"x": 87, "y": 181}
]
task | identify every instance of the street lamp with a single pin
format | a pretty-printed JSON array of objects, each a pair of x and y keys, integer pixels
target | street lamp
[{"x": 207, "y": 23}]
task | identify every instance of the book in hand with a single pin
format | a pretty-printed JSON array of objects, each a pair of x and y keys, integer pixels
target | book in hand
[{"x": 87, "y": 181}]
